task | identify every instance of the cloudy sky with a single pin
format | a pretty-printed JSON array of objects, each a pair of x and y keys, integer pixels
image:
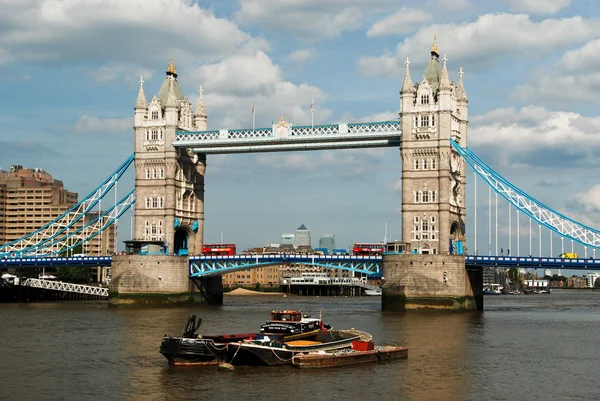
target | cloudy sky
[{"x": 69, "y": 73}]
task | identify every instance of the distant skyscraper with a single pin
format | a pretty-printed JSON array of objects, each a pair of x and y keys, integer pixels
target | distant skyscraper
[
  {"x": 287, "y": 239},
  {"x": 327, "y": 241},
  {"x": 302, "y": 236}
]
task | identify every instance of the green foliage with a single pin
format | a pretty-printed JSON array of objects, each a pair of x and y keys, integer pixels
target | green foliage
[{"x": 77, "y": 275}]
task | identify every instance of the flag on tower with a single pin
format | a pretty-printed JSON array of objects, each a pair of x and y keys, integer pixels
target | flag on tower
[
  {"x": 253, "y": 114},
  {"x": 312, "y": 113}
]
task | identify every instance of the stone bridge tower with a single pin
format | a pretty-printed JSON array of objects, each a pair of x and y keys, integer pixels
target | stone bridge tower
[
  {"x": 433, "y": 275},
  {"x": 169, "y": 208},
  {"x": 433, "y": 175}
]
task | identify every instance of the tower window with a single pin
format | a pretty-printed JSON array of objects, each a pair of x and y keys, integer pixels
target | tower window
[
  {"x": 424, "y": 164},
  {"x": 433, "y": 163},
  {"x": 155, "y": 114},
  {"x": 416, "y": 164},
  {"x": 433, "y": 121},
  {"x": 424, "y": 99},
  {"x": 425, "y": 196},
  {"x": 424, "y": 121},
  {"x": 154, "y": 136}
]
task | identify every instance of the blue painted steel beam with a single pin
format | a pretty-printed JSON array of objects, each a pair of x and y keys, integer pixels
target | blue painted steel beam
[
  {"x": 45, "y": 262},
  {"x": 532, "y": 262},
  {"x": 203, "y": 266}
]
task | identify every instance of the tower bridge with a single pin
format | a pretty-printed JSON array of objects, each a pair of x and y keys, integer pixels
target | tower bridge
[{"x": 171, "y": 145}]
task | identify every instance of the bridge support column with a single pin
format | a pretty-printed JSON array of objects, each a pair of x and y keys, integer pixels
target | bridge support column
[
  {"x": 146, "y": 279},
  {"x": 415, "y": 281}
]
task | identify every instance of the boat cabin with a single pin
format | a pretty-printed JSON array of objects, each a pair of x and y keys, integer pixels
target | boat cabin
[{"x": 286, "y": 316}]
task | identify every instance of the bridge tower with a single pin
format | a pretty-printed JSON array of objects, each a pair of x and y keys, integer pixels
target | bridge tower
[
  {"x": 433, "y": 274},
  {"x": 169, "y": 209},
  {"x": 169, "y": 182},
  {"x": 433, "y": 175}
]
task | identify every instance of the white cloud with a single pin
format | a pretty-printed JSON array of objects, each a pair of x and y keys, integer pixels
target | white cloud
[
  {"x": 403, "y": 21},
  {"x": 309, "y": 19},
  {"x": 536, "y": 136},
  {"x": 88, "y": 123},
  {"x": 128, "y": 74},
  {"x": 589, "y": 201},
  {"x": 488, "y": 39},
  {"x": 538, "y": 6},
  {"x": 302, "y": 55},
  {"x": 240, "y": 75},
  {"x": 136, "y": 31},
  {"x": 574, "y": 78}
]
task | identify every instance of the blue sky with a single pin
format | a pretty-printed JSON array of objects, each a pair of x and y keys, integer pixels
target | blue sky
[{"x": 69, "y": 75}]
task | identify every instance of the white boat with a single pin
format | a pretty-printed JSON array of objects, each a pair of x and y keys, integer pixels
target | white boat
[{"x": 375, "y": 292}]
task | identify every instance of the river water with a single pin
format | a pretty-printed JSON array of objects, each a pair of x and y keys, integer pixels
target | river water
[{"x": 522, "y": 347}]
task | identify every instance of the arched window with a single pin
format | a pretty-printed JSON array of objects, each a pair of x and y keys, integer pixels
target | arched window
[
  {"x": 154, "y": 173},
  {"x": 160, "y": 202},
  {"x": 160, "y": 134},
  {"x": 425, "y": 196},
  {"x": 433, "y": 163},
  {"x": 148, "y": 204},
  {"x": 154, "y": 136},
  {"x": 162, "y": 172},
  {"x": 417, "y": 198},
  {"x": 416, "y": 120},
  {"x": 424, "y": 121},
  {"x": 424, "y": 164},
  {"x": 147, "y": 134},
  {"x": 147, "y": 174},
  {"x": 434, "y": 198},
  {"x": 416, "y": 164},
  {"x": 433, "y": 121},
  {"x": 154, "y": 203}
]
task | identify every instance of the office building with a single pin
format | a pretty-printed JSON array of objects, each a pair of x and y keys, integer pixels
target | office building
[
  {"x": 288, "y": 239},
  {"x": 327, "y": 241},
  {"x": 31, "y": 198},
  {"x": 302, "y": 237}
]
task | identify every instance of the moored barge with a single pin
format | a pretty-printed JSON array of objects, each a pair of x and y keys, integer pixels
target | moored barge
[{"x": 348, "y": 357}]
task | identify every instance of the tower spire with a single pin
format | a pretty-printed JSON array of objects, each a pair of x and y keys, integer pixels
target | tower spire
[
  {"x": 407, "y": 84},
  {"x": 171, "y": 69},
  {"x": 460, "y": 90},
  {"x": 444, "y": 79},
  {"x": 200, "y": 109},
  {"x": 141, "y": 98},
  {"x": 171, "y": 98},
  {"x": 434, "y": 47}
]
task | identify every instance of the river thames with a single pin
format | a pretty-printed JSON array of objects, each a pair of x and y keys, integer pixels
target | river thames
[{"x": 522, "y": 347}]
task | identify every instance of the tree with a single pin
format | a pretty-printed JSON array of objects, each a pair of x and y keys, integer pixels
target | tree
[{"x": 76, "y": 275}]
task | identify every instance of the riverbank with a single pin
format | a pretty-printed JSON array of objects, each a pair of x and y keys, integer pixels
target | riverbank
[{"x": 245, "y": 292}]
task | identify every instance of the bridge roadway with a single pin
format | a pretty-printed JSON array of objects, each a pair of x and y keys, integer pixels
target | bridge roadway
[{"x": 205, "y": 266}]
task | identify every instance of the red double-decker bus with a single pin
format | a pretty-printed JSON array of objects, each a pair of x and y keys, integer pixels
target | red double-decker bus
[
  {"x": 218, "y": 249},
  {"x": 366, "y": 249}
]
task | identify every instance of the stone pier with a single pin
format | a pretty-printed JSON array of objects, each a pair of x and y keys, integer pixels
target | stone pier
[
  {"x": 416, "y": 281},
  {"x": 161, "y": 279}
]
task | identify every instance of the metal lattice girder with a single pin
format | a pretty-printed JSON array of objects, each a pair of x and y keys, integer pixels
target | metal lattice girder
[
  {"x": 202, "y": 266},
  {"x": 68, "y": 287},
  {"x": 529, "y": 206},
  {"x": 337, "y": 136},
  {"x": 62, "y": 261},
  {"x": 69, "y": 218},
  {"x": 533, "y": 262},
  {"x": 71, "y": 240}
]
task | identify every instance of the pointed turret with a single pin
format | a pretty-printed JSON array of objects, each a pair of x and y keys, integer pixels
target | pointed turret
[
  {"x": 407, "y": 84},
  {"x": 200, "y": 117},
  {"x": 444, "y": 79},
  {"x": 171, "y": 98},
  {"x": 460, "y": 90},
  {"x": 171, "y": 109},
  {"x": 140, "y": 103},
  {"x": 433, "y": 70}
]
